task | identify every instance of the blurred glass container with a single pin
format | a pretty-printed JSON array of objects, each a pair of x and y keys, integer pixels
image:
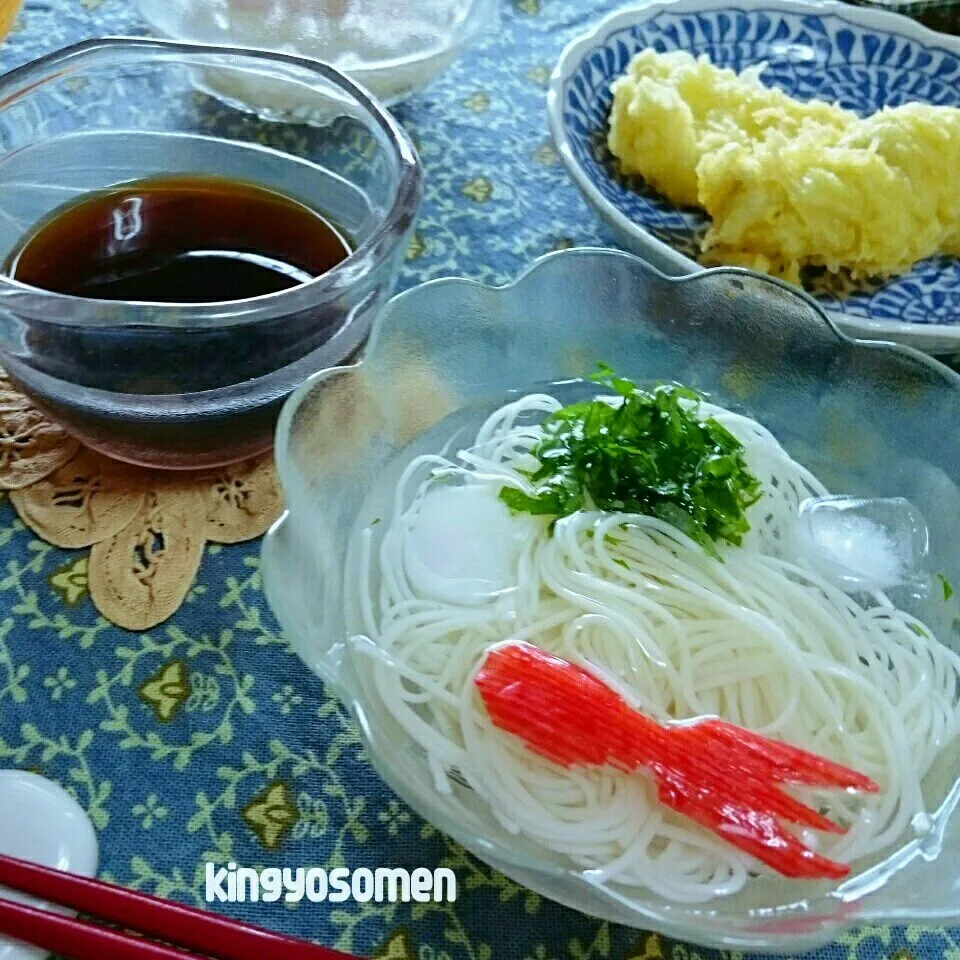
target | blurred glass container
[
  {"x": 940, "y": 15},
  {"x": 394, "y": 48},
  {"x": 192, "y": 385}
]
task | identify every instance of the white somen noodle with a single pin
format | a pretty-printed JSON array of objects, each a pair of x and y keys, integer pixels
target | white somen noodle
[{"x": 751, "y": 636}]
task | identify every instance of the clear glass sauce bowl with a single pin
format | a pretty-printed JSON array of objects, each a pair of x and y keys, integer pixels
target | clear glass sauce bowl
[{"x": 193, "y": 385}]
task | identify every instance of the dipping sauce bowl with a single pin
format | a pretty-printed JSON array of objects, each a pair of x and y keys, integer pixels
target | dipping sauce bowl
[{"x": 184, "y": 385}]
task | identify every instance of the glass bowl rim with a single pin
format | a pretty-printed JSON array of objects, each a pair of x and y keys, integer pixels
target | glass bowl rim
[
  {"x": 285, "y": 423},
  {"x": 37, "y": 302}
]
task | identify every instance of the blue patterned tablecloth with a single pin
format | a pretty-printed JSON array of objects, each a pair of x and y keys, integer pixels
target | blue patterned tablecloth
[{"x": 206, "y": 739}]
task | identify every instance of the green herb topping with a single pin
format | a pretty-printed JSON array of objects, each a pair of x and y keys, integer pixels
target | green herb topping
[
  {"x": 651, "y": 455},
  {"x": 947, "y": 586}
]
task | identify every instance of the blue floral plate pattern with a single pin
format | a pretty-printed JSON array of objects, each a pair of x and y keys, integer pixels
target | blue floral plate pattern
[{"x": 860, "y": 58}]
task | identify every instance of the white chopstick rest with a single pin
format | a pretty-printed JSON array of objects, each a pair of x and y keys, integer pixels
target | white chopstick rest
[{"x": 41, "y": 822}]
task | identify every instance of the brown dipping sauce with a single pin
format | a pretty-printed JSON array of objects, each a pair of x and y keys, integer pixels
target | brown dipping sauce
[
  {"x": 173, "y": 395},
  {"x": 178, "y": 240}
]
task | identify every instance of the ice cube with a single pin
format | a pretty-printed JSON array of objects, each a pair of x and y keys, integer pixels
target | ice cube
[{"x": 863, "y": 544}]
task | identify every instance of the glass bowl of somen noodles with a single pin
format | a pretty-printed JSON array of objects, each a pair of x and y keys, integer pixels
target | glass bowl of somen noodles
[{"x": 642, "y": 590}]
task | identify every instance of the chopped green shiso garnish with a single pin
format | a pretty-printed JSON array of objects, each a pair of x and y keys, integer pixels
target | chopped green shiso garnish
[
  {"x": 649, "y": 455},
  {"x": 947, "y": 586}
]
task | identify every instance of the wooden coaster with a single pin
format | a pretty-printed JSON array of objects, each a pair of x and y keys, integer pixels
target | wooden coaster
[{"x": 146, "y": 529}]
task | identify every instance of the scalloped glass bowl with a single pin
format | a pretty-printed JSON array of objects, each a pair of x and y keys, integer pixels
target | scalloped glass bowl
[{"x": 869, "y": 419}]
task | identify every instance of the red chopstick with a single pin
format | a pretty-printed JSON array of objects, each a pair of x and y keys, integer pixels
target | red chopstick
[
  {"x": 179, "y": 926},
  {"x": 65, "y": 937}
]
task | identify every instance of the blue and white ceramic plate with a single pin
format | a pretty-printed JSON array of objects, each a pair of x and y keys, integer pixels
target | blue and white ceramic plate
[{"x": 861, "y": 58}]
